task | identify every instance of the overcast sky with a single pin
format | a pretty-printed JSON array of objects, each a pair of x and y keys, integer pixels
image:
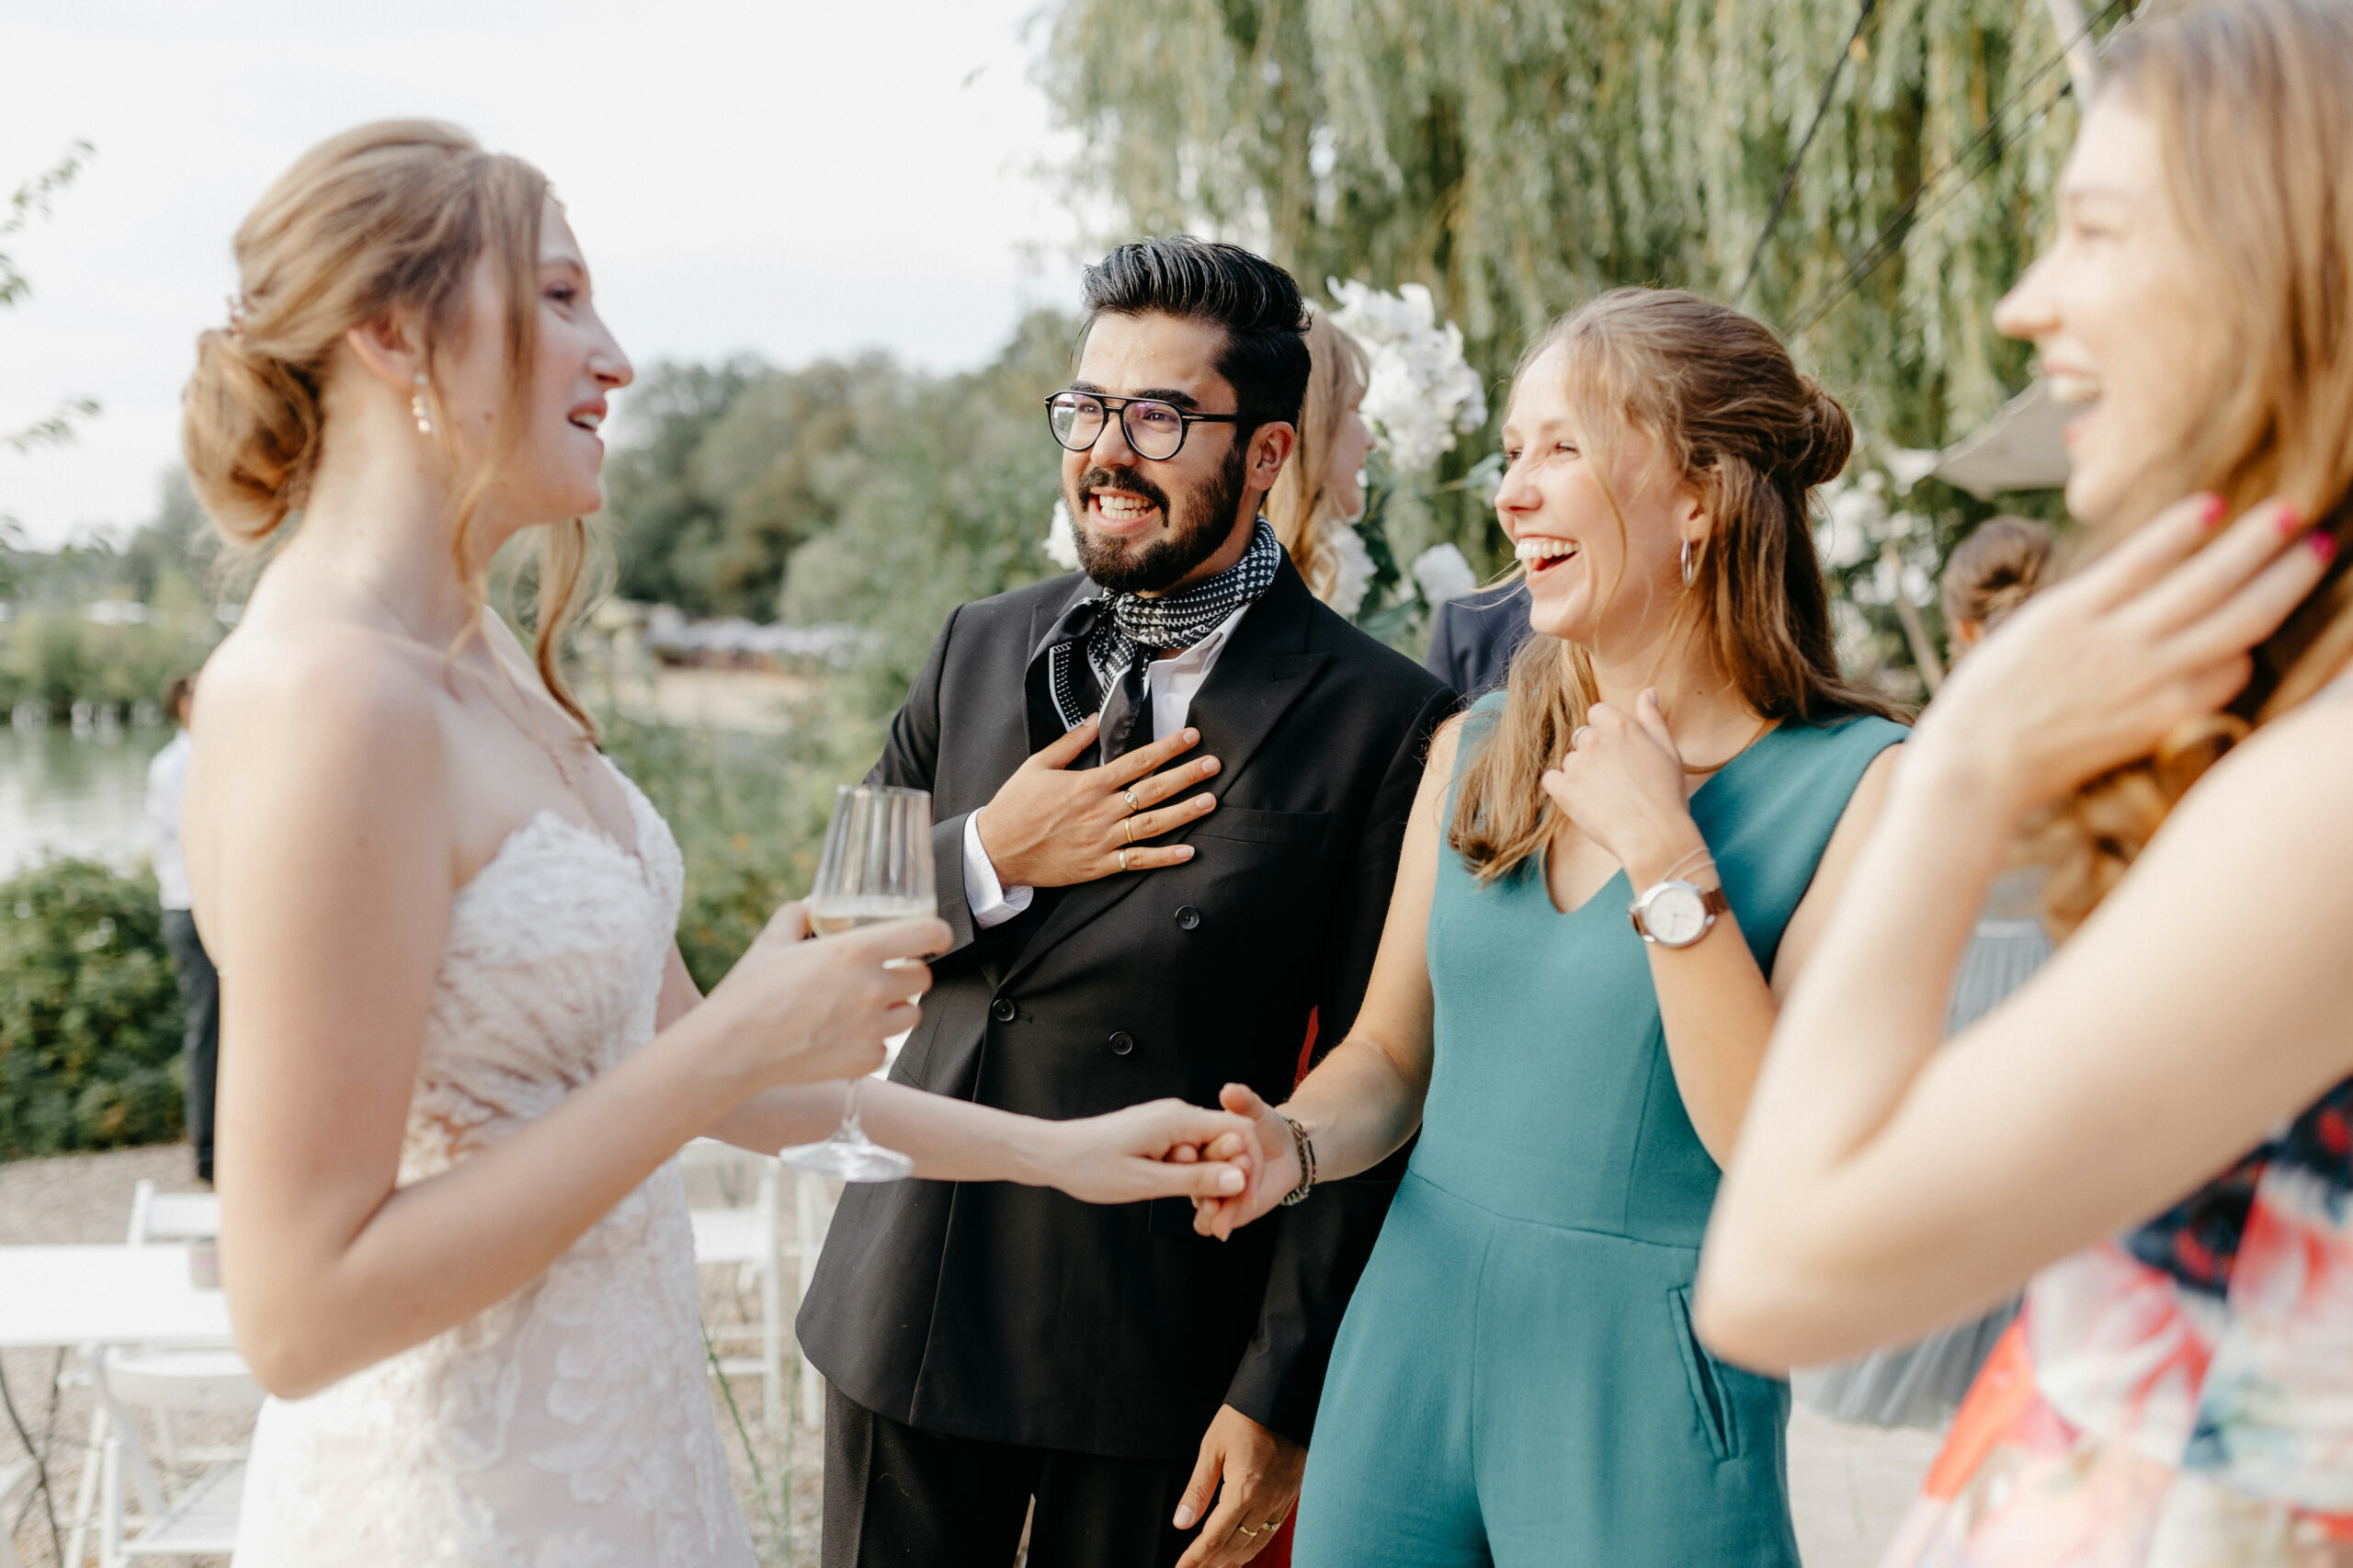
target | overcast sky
[{"x": 781, "y": 177}]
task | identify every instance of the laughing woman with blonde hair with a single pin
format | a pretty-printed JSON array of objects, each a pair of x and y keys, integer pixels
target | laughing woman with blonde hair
[
  {"x": 2158, "y": 1127},
  {"x": 1612, "y": 873}
]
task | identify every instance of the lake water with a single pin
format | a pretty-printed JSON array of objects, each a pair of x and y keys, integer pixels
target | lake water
[{"x": 67, "y": 794}]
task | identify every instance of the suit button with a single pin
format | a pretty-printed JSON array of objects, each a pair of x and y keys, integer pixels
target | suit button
[
  {"x": 1122, "y": 1042},
  {"x": 1003, "y": 1010},
  {"x": 1187, "y": 917}
]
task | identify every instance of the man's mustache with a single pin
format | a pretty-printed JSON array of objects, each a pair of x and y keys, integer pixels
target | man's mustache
[{"x": 1122, "y": 479}]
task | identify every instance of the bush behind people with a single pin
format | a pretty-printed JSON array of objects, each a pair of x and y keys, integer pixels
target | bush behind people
[{"x": 89, "y": 1011}]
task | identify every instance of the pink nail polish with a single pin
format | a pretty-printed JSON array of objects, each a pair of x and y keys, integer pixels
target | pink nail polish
[
  {"x": 2291, "y": 521},
  {"x": 2323, "y": 544}
]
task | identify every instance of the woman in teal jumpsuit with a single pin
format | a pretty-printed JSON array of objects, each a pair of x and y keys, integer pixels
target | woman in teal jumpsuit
[{"x": 1515, "y": 1382}]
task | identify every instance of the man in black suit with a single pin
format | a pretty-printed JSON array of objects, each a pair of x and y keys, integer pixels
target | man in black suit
[
  {"x": 1475, "y": 636},
  {"x": 1157, "y": 901}
]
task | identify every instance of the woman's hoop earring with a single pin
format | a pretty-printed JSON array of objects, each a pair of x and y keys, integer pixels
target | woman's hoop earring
[
  {"x": 1685, "y": 559},
  {"x": 417, "y": 410}
]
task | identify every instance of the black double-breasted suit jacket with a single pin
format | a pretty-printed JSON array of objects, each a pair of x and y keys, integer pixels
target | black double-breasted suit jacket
[{"x": 1019, "y": 1314}]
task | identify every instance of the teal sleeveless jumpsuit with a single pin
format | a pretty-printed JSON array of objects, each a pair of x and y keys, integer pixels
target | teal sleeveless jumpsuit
[{"x": 1516, "y": 1380}]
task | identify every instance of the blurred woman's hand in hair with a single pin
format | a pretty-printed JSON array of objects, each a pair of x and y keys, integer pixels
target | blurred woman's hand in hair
[
  {"x": 1622, "y": 784},
  {"x": 2100, "y": 670},
  {"x": 797, "y": 1011}
]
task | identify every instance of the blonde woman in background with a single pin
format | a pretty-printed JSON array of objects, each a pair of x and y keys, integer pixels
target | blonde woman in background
[
  {"x": 1322, "y": 488},
  {"x": 2158, "y": 1129},
  {"x": 460, "y": 1048}
]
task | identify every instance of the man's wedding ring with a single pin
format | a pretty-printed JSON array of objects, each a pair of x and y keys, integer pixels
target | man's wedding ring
[
  {"x": 1127, "y": 827},
  {"x": 1245, "y": 1530},
  {"x": 1123, "y": 859},
  {"x": 1130, "y": 797}
]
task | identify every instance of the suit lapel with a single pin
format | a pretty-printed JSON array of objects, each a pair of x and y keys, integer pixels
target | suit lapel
[{"x": 1261, "y": 673}]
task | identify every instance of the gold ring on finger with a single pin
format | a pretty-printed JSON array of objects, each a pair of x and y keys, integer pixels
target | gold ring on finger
[
  {"x": 1127, "y": 827},
  {"x": 1271, "y": 1523},
  {"x": 1245, "y": 1530},
  {"x": 1130, "y": 797}
]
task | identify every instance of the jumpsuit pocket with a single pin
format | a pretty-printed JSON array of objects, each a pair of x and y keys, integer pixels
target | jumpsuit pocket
[{"x": 1708, "y": 1393}]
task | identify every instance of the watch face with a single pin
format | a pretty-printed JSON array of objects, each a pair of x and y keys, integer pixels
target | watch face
[{"x": 1674, "y": 915}]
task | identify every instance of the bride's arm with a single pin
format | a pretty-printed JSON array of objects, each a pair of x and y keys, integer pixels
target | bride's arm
[
  {"x": 1145, "y": 1150},
  {"x": 324, "y": 844}
]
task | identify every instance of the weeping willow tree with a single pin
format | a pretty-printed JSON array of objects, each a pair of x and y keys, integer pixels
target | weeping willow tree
[{"x": 1519, "y": 156}]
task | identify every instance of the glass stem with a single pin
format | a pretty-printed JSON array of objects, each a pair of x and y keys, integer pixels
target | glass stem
[{"x": 849, "y": 1129}]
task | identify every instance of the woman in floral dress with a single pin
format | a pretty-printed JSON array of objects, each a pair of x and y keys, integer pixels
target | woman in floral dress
[{"x": 2173, "y": 725}]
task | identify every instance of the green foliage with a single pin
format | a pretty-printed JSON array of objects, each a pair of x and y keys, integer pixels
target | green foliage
[
  {"x": 31, "y": 200},
  {"x": 749, "y": 811},
  {"x": 89, "y": 1013},
  {"x": 856, "y": 493},
  {"x": 1519, "y": 157}
]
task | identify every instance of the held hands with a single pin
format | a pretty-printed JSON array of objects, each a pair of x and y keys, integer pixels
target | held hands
[
  {"x": 1622, "y": 783},
  {"x": 1050, "y": 827},
  {"x": 805, "y": 1012},
  {"x": 1270, "y": 1156},
  {"x": 1161, "y": 1149},
  {"x": 2099, "y": 669}
]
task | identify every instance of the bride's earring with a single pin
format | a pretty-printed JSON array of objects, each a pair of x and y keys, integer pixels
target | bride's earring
[
  {"x": 1689, "y": 570},
  {"x": 423, "y": 418}
]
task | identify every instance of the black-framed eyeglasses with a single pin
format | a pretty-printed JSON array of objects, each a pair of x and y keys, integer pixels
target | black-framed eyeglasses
[{"x": 1155, "y": 429}]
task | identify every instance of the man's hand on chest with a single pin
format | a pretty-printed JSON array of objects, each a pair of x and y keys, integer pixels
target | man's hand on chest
[{"x": 1051, "y": 825}]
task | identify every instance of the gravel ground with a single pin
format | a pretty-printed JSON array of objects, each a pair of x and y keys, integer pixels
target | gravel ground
[{"x": 1848, "y": 1485}]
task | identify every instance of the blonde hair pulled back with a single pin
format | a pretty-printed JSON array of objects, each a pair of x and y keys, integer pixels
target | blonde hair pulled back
[
  {"x": 1300, "y": 505},
  {"x": 2253, "y": 105},
  {"x": 387, "y": 221},
  {"x": 1729, "y": 413}
]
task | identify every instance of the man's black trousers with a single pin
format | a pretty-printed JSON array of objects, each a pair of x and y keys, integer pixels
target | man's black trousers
[
  {"x": 900, "y": 1497},
  {"x": 201, "y": 1006}
]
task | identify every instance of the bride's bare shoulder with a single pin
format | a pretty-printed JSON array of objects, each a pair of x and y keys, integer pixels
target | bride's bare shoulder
[{"x": 315, "y": 691}]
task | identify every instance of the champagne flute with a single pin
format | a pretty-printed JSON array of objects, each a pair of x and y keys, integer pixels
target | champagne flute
[{"x": 876, "y": 866}]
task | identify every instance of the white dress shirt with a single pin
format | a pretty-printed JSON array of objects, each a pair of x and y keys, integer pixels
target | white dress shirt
[
  {"x": 166, "y": 784},
  {"x": 1174, "y": 683}
]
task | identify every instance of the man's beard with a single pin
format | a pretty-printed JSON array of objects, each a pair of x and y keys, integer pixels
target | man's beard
[{"x": 1188, "y": 535}]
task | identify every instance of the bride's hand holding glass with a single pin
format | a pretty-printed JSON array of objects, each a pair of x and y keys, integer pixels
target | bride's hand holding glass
[{"x": 806, "y": 1012}]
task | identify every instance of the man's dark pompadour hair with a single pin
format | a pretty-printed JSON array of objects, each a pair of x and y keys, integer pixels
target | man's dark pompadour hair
[{"x": 1264, "y": 356}]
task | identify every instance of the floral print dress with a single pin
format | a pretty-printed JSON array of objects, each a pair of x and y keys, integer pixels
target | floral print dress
[{"x": 2180, "y": 1397}]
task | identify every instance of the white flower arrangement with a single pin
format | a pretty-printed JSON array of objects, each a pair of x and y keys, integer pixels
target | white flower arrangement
[
  {"x": 1442, "y": 573},
  {"x": 1352, "y": 567},
  {"x": 1422, "y": 392}
]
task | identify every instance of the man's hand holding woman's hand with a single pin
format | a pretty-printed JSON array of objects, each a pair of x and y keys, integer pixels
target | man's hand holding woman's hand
[{"x": 1160, "y": 1149}]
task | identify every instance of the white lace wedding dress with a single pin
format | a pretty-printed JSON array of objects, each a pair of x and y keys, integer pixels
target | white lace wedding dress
[{"x": 569, "y": 1426}]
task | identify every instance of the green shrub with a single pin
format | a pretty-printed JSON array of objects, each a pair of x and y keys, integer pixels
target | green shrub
[
  {"x": 749, "y": 811},
  {"x": 89, "y": 1011}
]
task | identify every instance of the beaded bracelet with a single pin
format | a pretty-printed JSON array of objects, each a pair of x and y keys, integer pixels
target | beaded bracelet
[{"x": 1304, "y": 1147}]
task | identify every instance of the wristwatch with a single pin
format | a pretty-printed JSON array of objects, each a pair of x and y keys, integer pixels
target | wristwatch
[{"x": 1676, "y": 913}]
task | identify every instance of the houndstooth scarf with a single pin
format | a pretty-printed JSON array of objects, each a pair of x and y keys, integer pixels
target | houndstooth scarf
[{"x": 1129, "y": 628}]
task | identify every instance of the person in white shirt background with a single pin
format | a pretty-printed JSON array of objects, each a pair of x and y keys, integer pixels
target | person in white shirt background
[{"x": 199, "y": 981}]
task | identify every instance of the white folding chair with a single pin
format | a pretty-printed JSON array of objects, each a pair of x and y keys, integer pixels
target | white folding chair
[
  {"x": 172, "y": 1216},
  {"x": 200, "y": 1520},
  {"x": 813, "y": 1216},
  {"x": 743, "y": 1232}
]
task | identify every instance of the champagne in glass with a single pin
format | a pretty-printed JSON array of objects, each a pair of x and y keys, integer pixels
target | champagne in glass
[{"x": 876, "y": 866}]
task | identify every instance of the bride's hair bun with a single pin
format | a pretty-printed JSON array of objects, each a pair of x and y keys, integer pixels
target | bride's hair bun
[
  {"x": 251, "y": 430},
  {"x": 385, "y": 221}
]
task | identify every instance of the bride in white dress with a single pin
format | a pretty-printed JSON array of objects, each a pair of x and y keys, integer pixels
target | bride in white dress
[{"x": 460, "y": 1049}]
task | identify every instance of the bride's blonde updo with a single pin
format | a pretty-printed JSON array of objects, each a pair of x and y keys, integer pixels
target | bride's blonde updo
[{"x": 386, "y": 219}]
